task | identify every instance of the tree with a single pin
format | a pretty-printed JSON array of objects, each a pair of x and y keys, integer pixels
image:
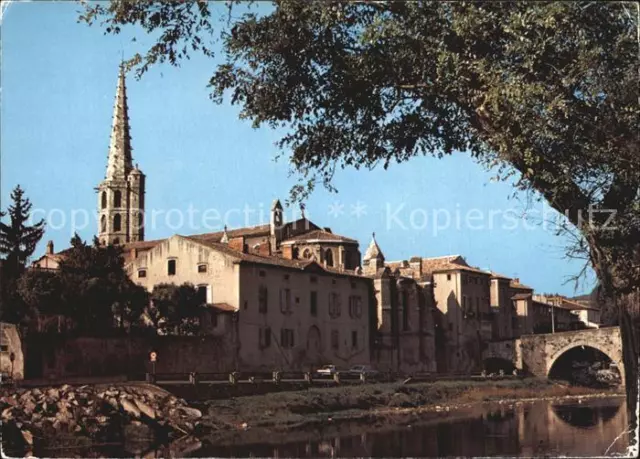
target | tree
[
  {"x": 96, "y": 291},
  {"x": 545, "y": 92},
  {"x": 41, "y": 292},
  {"x": 18, "y": 241},
  {"x": 175, "y": 308}
]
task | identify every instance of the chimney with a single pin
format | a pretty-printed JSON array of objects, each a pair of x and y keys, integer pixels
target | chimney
[
  {"x": 50, "y": 248},
  {"x": 516, "y": 280}
]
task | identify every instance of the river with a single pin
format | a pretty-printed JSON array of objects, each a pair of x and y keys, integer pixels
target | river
[{"x": 586, "y": 427}]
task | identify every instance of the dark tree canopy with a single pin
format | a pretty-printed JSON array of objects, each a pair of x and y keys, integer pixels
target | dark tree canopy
[
  {"x": 18, "y": 240},
  {"x": 96, "y": 291},
  {"x": 175, "y": 309}
]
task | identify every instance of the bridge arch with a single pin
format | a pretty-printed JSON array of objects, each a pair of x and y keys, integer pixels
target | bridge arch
[{"x": 614, "y": 354}]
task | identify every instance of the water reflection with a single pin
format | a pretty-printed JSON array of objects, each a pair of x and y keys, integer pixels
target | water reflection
[{"x": 526, "y": 429}]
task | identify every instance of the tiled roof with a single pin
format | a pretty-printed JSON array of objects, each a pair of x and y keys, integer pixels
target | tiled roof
[
  {"x": 224, "y": 307},
  {"x": 518, "y": 285},
  {"x": 499, "y": 276},
  {"x": 320, "y": 235},
  {"x": 260, "y": 230},
  {"x": 521, "y": 296},
  {"x": 448, "y": 263}
]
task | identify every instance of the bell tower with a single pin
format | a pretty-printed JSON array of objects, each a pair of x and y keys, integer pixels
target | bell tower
[{"x": 121, "y": 193}]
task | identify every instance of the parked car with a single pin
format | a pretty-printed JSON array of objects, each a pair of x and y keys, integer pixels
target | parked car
[
  {"x": 360, "y": 369},
  {"x": 327, "y": 370}
]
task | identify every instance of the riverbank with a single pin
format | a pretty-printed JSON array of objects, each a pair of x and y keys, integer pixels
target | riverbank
[
  {"x": 63, "y": 419},
  {"x": 371, "y": 404}
]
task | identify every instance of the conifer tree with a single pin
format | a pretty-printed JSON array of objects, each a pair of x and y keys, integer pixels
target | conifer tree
[{"x": 18, "y": 241}]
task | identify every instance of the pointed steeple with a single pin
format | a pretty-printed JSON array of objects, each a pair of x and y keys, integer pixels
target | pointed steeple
[
  {"x": 225, "y": 237},
  {"x": 119, "y": 162},
  {"x": 373, "y": 251}
]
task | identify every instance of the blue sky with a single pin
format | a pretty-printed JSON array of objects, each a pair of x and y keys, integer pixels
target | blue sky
[{"x": 58, "y": 86}]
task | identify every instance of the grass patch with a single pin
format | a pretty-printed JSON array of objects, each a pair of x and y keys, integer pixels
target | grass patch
[{"x": 296, "y": 408}]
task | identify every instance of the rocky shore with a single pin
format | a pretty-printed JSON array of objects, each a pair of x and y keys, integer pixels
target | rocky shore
[{"x": 137, "y": 417}]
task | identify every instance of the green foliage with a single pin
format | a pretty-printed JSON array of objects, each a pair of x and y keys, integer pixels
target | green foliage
[
  {"x": 175, "y": 308},
  {"x": 96, "y": 291},
  {"x": 542, "y": 91},
  {"x": 41, "y": 290},
  {"x": 18, "y": 240}
]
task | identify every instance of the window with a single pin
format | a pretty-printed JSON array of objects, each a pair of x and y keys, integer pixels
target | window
[
  {"x": 306, "y": 254},
  {"x": 285, "y": 300},
  {"x": 246, "y": 305},
  {"x": 286, "y": 338},
  {"x": 335, "y": 339},
  {"x": 116, "y": 241},
  {"x": 328, "y": 257},
  {"x": 103, "y": 224},
  {"x": 262, "y": 274},
  {"x": 353, "y": 284},
  {"x": 117, "y": 198},
  {"x": 171, "y": 267},
  {"x": 450, "y": 327},
  {"x": 140, "y": 220},
  {"x": 142, "y": 273},
  {"x": 286, "y": 277},
  {"x": 313, "y": 301},
  {"x": 448, "y": 277},
  {"x": 103, "y": 200},
  {"x": 354, "y": 339},
  {"x": 264, "y": 337},
  {"x": 334, "y": 305},
  {"x": 295, "y": 253},
  {"x": 313, "y": 279},
  {"x": 117, "y": 222},
  {"x": 202, "y": 268},
  {"x": 4, "y": 348},
  {"x": 202, "y": 294},
  {"x": 355, "y": 306},
  {"x": 405, "y": 310},
  {"x": 263, "y": 297}
]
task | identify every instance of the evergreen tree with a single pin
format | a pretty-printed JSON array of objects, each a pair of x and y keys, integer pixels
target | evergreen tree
[{"x": 18, "y": 241}]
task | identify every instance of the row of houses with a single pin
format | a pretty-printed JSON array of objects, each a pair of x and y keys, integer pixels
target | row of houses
[{"x": 296, "y": 296}]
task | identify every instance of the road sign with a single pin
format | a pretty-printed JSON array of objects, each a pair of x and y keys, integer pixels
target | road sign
[{"x": 153, "y": 356}]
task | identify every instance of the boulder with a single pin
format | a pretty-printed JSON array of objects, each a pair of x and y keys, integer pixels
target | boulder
[
  {"x": 28, "y": 437},
  {"x": 53, "y": 393},
  {"x": 130, "y": 408},
  {"x": 191, "y": 412},
  {"x": 145, "y": 409},
  {"x": 28, "y": 406}
]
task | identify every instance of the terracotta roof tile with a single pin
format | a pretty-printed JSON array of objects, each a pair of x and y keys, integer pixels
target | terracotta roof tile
[
  {"x": 517, "y": 285},
  {"x": 320, "y": 235},
  {"x": 225, "y": 307},
  {"x": 521, "y": 296}
]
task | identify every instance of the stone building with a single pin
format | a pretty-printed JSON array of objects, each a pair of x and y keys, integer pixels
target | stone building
[
  {"x": 462, "y": 319},
  {"x": 285, "y": 313},
  {"x": 50, "y": 259},
  {"x": 404, "y": 335},
  {"x": 121, "y": 193}
]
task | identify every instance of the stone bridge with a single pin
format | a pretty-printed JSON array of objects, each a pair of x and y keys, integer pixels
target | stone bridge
[{"x": 536, "y": 354}]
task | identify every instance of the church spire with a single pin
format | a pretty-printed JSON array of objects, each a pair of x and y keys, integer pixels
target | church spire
[
  {"x": 373, "y": 251},
  {"x": 119, "y": 161}
]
